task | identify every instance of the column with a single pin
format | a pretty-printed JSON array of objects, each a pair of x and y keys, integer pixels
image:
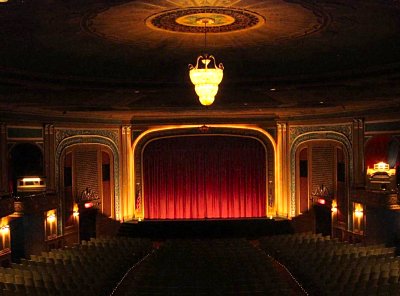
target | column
[
  {"x": 127, "y": 192},
  {"x": 3, "y": 159},
  {"x": 358, "y": 153},
  {"x": 283, "y": 207},
  {"x": 49, "y": 157}
]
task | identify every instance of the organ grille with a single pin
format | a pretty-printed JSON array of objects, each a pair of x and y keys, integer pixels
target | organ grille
[
  {"x": 87, "y": 171},
  {"x": 323, "y": 167}
]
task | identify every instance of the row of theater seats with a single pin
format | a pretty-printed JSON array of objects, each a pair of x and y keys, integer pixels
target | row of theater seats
[
  {"x": 329, "y": 267},
  {"x": 208, "y": 267},
  {"x": 91, "y": 268}
]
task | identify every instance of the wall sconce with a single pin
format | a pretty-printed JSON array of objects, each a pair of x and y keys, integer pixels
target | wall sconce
[
  {"x": 358, "y": 211},
  {"x": 51, "y": 218},
  {"x": 5, "y": 244},
  {"x": 75, "y": 211},
  {"x": 334, "y": 207},
  {"x": 50, "y": 225},
  {"x": 5, "y": 229}
]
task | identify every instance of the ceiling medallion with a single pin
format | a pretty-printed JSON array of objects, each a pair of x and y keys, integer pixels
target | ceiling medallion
[{"x": 186, "y": 20}]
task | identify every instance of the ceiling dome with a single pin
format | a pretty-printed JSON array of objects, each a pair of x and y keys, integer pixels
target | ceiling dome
[{"x": 123, "y": 59}]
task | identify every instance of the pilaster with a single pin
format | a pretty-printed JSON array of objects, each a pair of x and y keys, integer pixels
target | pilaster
[
  {"x": 127, "y": 192},
  {"x": 3, "y": 159},
  {"x": 358, "y": 153},
  {"x": 49, "y": 157},
  {"x": 283, "y": 207}
]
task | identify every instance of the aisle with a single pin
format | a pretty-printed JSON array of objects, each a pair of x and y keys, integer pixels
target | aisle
[{"x": 208, "y": 267}]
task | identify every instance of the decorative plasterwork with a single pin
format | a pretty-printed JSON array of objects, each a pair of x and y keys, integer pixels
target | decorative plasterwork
[
  {"x": 193, "y": 131},
  {"x": 296, "y": 131},
  {"x": 187, "y": 20},
  {"x": 211, "y": 130},
  {"x": 379, "y": 127},
  {"x": 113, "y": 135},
  {"x": 66, "y": 138},
  {"x": 299, "y": 135},
  {"x": 141, "y": 23}
]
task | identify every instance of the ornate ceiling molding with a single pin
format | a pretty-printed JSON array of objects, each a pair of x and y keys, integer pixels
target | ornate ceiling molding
[
  {"x": 188, "y": 20},
  {"x": 146, "y": 24}
]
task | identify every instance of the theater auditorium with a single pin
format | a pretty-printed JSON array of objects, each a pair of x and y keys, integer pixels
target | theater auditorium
[{"x": 199, "y": 147}]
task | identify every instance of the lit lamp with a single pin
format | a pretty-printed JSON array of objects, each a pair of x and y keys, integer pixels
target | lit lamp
[
  {"x": 51, "y": 218},
  {"x": 206, "y": 75},
  {"x": 5, "y": 229},
  {"x": 334, "y": 207},
  {"x": 75, "y": 211},
  {"x": 358, "y": 212},
  {"x": 206, "y": 80},
  {"x": 381, "y": 167},
  {"x": 51, "y": 224},
  {"x": 5, "y": 239}
]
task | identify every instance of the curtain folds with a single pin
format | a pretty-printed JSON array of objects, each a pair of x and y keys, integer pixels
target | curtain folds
[{"x": 198, "y": 177}]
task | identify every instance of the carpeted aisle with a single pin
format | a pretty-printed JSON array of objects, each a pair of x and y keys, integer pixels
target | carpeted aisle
[{"x": 208, "y": 267}]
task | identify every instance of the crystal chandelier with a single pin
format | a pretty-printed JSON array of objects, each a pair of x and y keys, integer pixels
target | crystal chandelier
[{"x": 206, "y": 75}]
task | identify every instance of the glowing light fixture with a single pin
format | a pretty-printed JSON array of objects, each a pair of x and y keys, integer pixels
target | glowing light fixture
[
  {"x": 31, "y": 179},
  {"x": 75, "y": 211},
  {"x": 358, "y": 211},
  {"x": 5, "y": 229},
  {"x": 206, "y": 75},
  {"x": 51, "y": 218},
  {"x": 334, "y": 206},
  {"x": 381, "y": 167},
  {"x": 88, "y": 205}
]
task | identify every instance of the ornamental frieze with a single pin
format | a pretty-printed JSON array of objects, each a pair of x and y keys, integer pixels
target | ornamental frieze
[
  {"x": 296, "y": 131},
  {"x": 62, "y": 134}
]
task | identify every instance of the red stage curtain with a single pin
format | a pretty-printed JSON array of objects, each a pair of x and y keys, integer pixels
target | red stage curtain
[{"x": 197, "y": 177}]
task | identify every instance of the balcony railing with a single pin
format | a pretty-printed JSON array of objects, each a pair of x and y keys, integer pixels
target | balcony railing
[
  {"x": 387, "y": 199},
  {"x": 6, "y": 206},
  {"x": 35, "y": 202}
]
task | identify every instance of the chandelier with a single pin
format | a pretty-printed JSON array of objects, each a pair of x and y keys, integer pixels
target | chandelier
[{"x": 206, "y": 75}]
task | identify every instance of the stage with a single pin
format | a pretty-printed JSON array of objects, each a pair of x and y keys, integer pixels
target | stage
[{"x": 212, "y": 228}]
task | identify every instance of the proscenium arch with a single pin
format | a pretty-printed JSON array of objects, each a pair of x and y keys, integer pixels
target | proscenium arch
[
  {"x": 313, "y": 136},
  {"x": 92, "y": 139},
  {"x": 212, "y": 129}
]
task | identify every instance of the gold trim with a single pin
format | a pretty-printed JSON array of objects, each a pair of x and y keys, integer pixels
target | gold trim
[{"x": 228, "y": 126}]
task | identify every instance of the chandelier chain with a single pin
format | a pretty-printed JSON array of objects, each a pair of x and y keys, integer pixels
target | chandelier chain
[{"x": 205, "y": 37}]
